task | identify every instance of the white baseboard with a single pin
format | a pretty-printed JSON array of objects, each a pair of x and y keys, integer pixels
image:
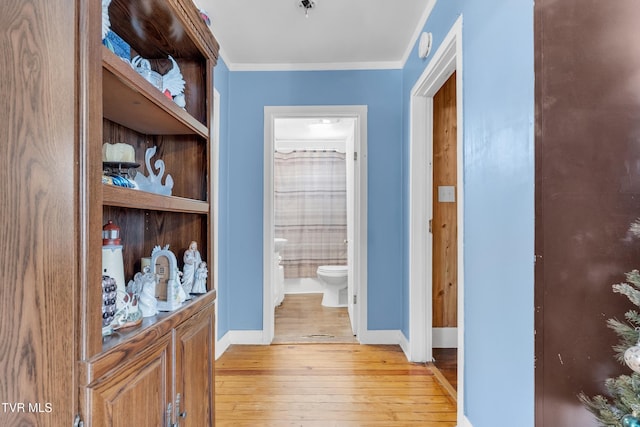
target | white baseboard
[
  {"x": 390, "y": 336},
  {"x": 222, "y": 345},
  {"x": 405, "y": 346},
  {"x": 464, "y": 422},
  {"x": 304, "y": 285},
  {"x": 238, "y": 337},
  {"x": 445, "y": 337}
]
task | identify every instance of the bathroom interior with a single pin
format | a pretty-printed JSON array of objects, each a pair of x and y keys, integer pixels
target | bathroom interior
[{"x": 312, "y": 222}]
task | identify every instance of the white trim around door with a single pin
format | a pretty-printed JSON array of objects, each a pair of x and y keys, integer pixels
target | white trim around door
[
  {"x": 446, "y": 60},
  {"x": 359, "y": 113},
  {"x": 215, "y": 162}
]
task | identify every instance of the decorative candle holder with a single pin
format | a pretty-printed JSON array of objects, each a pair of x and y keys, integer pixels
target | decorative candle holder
[{"x": 109, "y": 293}]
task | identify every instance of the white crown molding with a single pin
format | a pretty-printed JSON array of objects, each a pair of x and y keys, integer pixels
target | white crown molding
[
  {"x": 418, "y": 31},
  {"x": 320, "y": 66}
]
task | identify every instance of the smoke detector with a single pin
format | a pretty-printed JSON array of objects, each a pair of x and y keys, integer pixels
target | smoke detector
[{"x": 306, "y": 4}]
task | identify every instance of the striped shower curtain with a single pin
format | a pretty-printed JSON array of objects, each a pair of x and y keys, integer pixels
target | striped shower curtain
[{"x": 311, "y": 210}]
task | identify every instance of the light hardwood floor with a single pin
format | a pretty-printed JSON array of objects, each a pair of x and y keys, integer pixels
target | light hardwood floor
[
  {"x": 325, "y": 385},
  {"x": 301, "y": 318}
]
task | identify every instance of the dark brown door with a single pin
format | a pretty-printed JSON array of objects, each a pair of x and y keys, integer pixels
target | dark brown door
[{"x": 444, "y": 223}]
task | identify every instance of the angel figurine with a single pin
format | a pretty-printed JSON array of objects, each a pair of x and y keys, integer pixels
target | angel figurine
[
  {"x": 147, "y": 301},
  {"x": 192, "y": 260},
  {"x": 200, "y": 284}
]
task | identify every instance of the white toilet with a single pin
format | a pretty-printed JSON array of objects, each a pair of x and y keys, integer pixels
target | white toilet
[{"x": 334, "y": 279}]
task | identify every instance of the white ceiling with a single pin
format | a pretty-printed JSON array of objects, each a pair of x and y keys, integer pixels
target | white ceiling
[{"x": 338, "y": 34}]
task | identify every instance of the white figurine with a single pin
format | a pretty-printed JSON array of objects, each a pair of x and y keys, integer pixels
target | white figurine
[
  {"x": 182, "y": 295},
  {"x": 153, "y": 182},
  {"x": 147, "y": 301},
  {"x": 200, "y": 284},
  {"x": 134, "y": 287},
  {"x": 143, "y": 67},
  {"x": 172, "y": 82},
  {"x": 192, "y": 260},
  {"x": 106, "y": 23}
]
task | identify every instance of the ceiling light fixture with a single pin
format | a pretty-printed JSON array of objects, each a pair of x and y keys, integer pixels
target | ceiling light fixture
[{"x": 306, "y": 4}]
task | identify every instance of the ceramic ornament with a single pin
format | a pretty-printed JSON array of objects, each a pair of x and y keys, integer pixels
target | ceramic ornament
[
  {"x": 630, "y": 421},
  {"x": 142, "y": 66},
  {"x": 632, "y": 357},
  {"x": 153, "y": 182},
  {"x": 173, "y": 84},
  {"x": 200, "y": 283},
  {"x": 106, "y": 23},
  {"x": 147, "y": 300}
]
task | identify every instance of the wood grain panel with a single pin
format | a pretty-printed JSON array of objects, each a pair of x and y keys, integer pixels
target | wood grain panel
[
  {"x": 38, "y": 245},
  {"x": 444, "y": 223},
  {"x": 184, "y": 156},
  {"x": 188, "y": 35},
  {"x": 194, "y": 369},
  {"x": 132, "y": 233},
  {"x": 196, "y": 104},
  {"x": 137, "y": 394}
]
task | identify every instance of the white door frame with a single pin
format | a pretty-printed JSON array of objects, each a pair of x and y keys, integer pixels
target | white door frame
[
  {"x": 446, "y": 60},
  {"x": 359, "y": 113},
  {"x": 215, "y": 177}
]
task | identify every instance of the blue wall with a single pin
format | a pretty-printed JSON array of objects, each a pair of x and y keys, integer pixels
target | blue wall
[
  {"x": 241, "y": 246},
  {"x": 498, "y": 109},
  {"x": 498, "y": 133}
]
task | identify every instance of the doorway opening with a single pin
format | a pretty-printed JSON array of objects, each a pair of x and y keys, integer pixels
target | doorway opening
[
  {"x": 314, "y": 223},
  {"x": 446, "y": 64}
]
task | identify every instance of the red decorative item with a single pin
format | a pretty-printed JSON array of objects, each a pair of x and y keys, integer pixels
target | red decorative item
[
  {"x": 111, "y": 234},
  {"x": 205, "y": 17},
  {"x": 168, "y": 94}
]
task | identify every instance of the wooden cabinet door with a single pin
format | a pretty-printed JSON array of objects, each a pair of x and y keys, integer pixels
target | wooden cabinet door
[
  {"x": 194, "y": 353},
  {"x": 137, "y": 394}
]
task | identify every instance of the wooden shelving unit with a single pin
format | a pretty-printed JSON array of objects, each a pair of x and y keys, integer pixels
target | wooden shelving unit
[
  {"x": 130, "y": 100},
  {"x": 134, "y": 199},
  {"x": 152, "y": 373}
]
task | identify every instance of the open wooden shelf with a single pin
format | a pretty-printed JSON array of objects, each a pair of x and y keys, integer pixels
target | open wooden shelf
[
  {"x": 136, "y": 199},
  {"x": 131, "y": 101}
]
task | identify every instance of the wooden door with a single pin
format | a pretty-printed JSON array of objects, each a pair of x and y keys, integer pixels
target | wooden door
[
  {"x": 194, "y": 356},
  {"x": 138, "y": 393},
  {"x": 444, "y": 223}
]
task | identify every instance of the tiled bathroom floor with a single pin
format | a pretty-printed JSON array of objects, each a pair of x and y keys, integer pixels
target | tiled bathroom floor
[{"x": 301, "y": 318}]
